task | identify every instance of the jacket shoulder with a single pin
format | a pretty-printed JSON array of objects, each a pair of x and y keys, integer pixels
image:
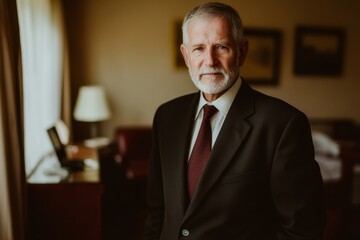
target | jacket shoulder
[
  {"x": 273, "y": 106},
  {"x": 179, "y": 104}
]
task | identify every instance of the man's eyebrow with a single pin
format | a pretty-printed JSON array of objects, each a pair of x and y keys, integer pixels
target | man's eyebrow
[
  {"x": 196, "y": 45},
  {"x": 224, "y": 42},
  {"x": 221, "y": 42}
]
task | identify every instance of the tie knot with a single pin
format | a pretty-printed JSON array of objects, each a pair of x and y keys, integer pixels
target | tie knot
[{"x": 209, "y": 111}]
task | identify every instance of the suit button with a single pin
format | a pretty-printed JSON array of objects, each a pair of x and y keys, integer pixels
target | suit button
[{"x": 185, "y": 232}]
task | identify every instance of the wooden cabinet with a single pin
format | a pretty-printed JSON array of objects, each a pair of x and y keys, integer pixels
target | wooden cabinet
[
  {"x": 64, "y": 211},
  {"x": 69, "y": 208}
]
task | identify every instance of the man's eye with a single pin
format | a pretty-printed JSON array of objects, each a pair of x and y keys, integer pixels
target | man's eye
[
  {"x": 221, "y": 47},
  {"x": 197, "y": 49}
]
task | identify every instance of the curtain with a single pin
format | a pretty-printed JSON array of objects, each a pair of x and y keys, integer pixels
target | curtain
[
  {"x": 12, "y": 171},
  {"x": 44, "y": 60},
  {"x": 66, "y": 88}
]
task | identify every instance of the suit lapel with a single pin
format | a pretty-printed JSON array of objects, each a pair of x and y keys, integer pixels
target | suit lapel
[
  {"x": 182, "y": 135},
  {"x": 231, "y": 136}
]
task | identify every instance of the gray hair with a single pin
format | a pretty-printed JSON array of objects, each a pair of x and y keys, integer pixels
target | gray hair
[{"x": 215, "y": 9}]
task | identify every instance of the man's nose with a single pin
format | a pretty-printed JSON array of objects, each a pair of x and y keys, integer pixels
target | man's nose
[{"x": 210, "y": 57}]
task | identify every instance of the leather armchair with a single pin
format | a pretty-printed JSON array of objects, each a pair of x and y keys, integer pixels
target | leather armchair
[
  {"x": 127, "y": 157},
  {"x": 338, "y": 192},
  {"x": 123, "y": 172},
  {"x": 134, "y": 145}
]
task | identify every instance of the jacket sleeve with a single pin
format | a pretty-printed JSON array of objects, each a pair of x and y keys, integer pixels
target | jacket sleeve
[
  {"x": 296, "y": 184},
  {"x": 155, "y": 200}
]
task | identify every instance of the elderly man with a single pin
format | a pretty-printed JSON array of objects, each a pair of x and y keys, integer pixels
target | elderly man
[{"x": 229, "y": 162}]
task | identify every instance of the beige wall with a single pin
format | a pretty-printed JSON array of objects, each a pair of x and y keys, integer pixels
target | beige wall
[{"x": 128, "y": 47}]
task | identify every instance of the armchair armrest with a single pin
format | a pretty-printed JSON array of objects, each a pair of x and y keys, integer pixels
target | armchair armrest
[{"x": 112, "y": 170}]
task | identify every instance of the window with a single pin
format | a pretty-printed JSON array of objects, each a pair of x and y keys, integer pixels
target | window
[{"x": 42, "y": 59}]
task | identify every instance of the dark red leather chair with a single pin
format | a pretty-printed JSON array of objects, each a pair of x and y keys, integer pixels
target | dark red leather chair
[
  {"x": 134, "y": 145},
  {"x": 123, "y": 172},
  {"x": 127, "y": 157},
  {"x": 338, "y": 198},
  {"x": 338, "y": 193}
]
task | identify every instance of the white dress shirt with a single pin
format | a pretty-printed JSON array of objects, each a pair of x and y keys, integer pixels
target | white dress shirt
[{"x": 223, "y": 104}]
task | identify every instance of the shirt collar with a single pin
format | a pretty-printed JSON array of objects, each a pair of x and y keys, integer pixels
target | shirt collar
[{"x": 223, "y": 103}]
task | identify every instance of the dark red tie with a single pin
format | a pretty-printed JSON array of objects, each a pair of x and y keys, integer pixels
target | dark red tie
[{"x": 201, "y": 150}]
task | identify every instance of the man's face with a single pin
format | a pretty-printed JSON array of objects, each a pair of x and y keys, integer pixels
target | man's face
[{"x": 212, "y": 55}]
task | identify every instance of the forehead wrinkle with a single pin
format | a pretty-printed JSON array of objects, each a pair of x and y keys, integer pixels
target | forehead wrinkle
[{"x": 202, "y": 31}]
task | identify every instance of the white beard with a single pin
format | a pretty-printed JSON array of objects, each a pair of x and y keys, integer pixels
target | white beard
[{"x": 211, "y": 85}]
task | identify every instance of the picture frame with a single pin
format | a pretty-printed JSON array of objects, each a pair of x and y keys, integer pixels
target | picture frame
[
  {"x": 262, "y": 64},
  {"x": 319, "y": 51}
]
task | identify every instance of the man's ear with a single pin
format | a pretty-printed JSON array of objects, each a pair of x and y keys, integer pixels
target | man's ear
[
  {"x": 243, "y": 51},
  {"x": 184, "y": 54}
]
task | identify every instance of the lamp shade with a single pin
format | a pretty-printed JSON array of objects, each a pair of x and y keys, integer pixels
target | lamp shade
[{"x": 91, "y": 105}]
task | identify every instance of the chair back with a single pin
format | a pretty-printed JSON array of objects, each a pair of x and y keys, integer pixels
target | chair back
[{"x": 134, "y": 148}]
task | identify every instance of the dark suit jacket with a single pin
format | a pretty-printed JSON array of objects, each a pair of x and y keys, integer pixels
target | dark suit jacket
[{"x": 261, "y": 181}]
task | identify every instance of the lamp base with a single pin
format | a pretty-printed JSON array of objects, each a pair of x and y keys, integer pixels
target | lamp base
[{"x": 97, "y": 142}]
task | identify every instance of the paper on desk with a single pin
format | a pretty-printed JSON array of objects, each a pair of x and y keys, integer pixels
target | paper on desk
[{"x": 325, "y": 145}]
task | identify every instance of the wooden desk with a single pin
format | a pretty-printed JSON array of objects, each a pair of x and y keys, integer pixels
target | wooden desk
[
  {"x": 68, "y": 207},
  {"x": 89, "y": 174}
]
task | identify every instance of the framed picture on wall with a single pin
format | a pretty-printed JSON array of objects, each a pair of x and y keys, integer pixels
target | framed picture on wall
[
  {"x": 319, "y": 51},
  {"x": 262, "y": 63}
]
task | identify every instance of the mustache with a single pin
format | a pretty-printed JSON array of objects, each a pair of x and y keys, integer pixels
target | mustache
[{"x": 208, "y": 70}]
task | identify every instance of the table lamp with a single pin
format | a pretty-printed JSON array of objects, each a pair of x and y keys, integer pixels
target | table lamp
[{"x": 91, "y": 106}]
